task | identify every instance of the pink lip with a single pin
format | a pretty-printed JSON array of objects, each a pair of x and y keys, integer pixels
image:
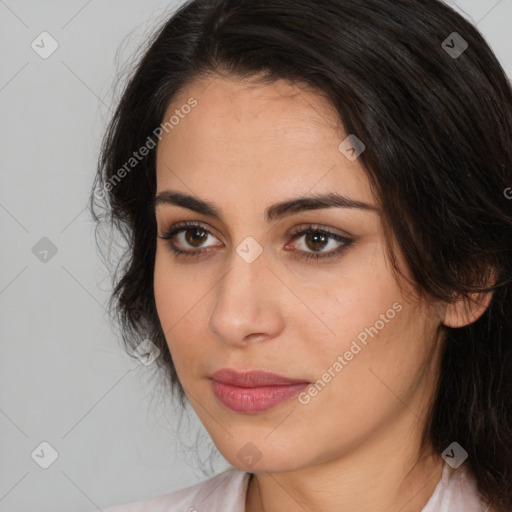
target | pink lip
[{"x": 253, "y": 391}]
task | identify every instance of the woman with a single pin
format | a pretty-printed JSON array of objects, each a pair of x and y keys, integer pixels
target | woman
[{"x": 317, "y": 207}]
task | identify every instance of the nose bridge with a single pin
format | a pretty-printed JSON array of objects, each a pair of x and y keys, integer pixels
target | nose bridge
[
  {"x": 248, "y": 265},
  {"x": 245, "y": 301}
]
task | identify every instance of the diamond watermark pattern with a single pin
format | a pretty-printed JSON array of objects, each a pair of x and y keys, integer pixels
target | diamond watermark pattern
[
  {"x": 44, "y": 250},
  {"x": 249, "y": 455},
  {"x": 44, "y": 45},
  {"x": 454, "y": 45},
  {"x": 249, "y": 249},
  {"x": 351, "y": 147},
  {"x": 454, "y": 455},
  {"x": 146, "y": 352},
  {"x": 44, "y": 455}
]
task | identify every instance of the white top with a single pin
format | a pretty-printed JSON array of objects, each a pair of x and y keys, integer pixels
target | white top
[{"x": 225, "y": 492}]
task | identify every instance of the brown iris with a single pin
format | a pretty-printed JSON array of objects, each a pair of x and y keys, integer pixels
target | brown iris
[
  {"x": 317, "y": 240},
  {"x": 195, "y": 236}
]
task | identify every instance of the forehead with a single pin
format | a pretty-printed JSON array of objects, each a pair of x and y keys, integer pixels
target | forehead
[{"x": 241, "y": 135}]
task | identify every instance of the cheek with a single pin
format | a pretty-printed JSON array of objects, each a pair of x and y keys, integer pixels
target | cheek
[
  {"x": 379, "y": 383},
  {"x": 365, "y": 306},
  {"x": 178, "y": 299},
  {"x": 374, "y": 361},
  {"x": 370, "y": 322},
  {"x": 383, "y": 339},
  {"x": 176, "y": 292}
]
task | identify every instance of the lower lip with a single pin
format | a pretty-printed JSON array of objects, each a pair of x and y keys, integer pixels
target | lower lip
[{"x": 251, "y": 400}]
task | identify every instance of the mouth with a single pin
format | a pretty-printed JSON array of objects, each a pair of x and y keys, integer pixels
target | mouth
[{"x": 253, "y": 391}]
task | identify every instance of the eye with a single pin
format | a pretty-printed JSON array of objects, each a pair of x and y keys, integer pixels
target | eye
[
  {"x": 192, "y": 237},
  {"x": 189, "y": 235},
  {"x": 317, "y": 239}
]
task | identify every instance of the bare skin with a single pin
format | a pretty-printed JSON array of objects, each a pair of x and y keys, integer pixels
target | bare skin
[{"x": 355, "y": 445}]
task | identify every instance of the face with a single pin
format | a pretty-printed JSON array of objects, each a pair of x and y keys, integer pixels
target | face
[{"x": 307, "y": 294}]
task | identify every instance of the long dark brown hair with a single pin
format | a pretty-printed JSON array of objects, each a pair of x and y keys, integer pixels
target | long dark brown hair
[{"x": 419, "y": 85}]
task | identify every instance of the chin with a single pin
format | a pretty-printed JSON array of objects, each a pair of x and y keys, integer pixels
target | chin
[{"x": 261, "y": 456}]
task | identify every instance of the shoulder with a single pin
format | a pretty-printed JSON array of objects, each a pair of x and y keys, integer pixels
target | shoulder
[
  {"x": 457, "y": 490},
  {"x": 225, "y": 491}
]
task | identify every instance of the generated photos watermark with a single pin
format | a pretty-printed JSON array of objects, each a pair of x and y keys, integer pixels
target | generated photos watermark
[
  {"x": 143, "y": 151},
  {"x": 342, "y": 360}
]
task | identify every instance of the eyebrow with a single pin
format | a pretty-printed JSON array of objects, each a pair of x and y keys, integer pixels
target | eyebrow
[{"x": 272, "y": 213}]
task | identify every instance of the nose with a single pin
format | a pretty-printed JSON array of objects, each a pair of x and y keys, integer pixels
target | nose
[{"x": 248, "y": 305}]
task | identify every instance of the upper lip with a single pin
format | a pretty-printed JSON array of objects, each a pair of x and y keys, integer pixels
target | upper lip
[{"x": 253, "y": 378}]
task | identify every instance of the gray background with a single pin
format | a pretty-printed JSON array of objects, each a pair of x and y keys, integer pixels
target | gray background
[{"x": 64, "y": 377}]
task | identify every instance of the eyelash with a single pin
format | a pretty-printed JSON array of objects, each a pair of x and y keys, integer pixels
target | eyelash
[{"x": 310, "y": 228}]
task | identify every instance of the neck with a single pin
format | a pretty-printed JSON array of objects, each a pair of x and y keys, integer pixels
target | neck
[{"x": 397, "y": 482}]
